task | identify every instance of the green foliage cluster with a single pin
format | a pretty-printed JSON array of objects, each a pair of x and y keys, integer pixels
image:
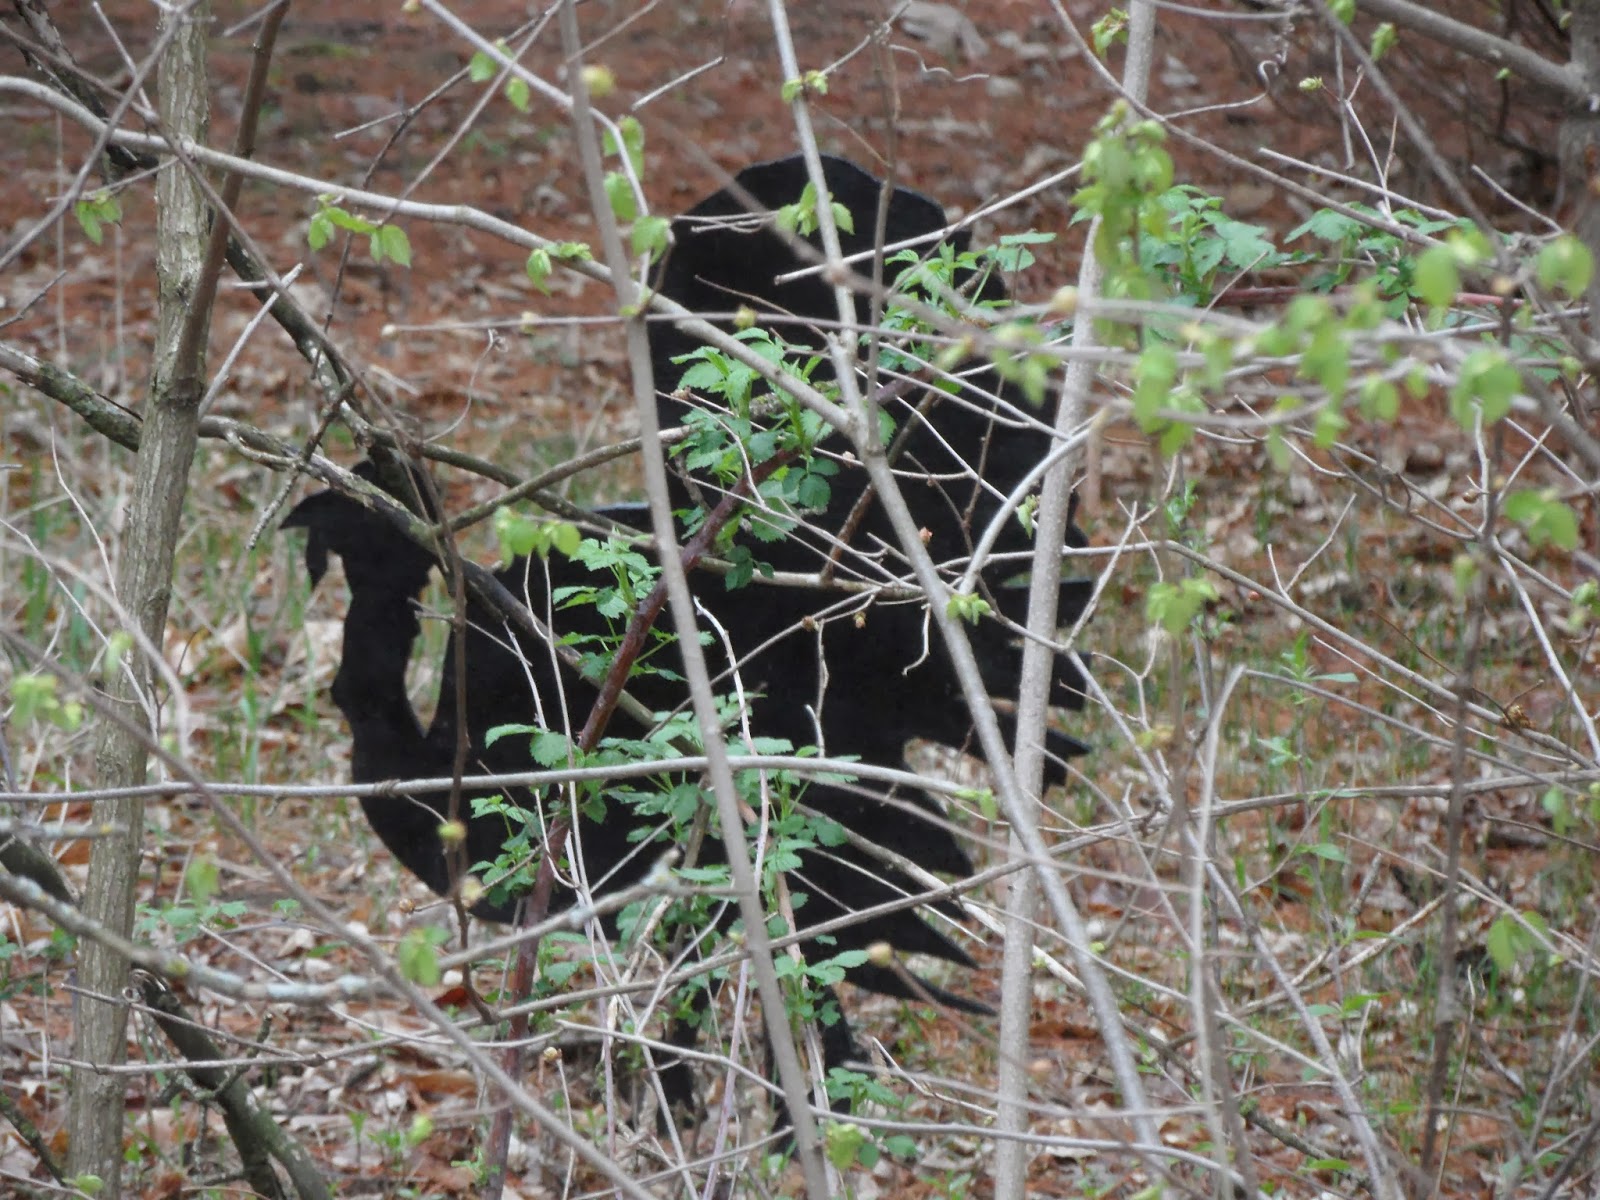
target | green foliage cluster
[
  {"x": 484, "y": 67},
  {"x": 383, "y": 241},
  {"x": 1170, "y": 247},
  {"x": 95, "y": 211}
]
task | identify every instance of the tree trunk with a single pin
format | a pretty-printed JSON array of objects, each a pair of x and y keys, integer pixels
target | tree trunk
[{"x": 143, "y": 586}]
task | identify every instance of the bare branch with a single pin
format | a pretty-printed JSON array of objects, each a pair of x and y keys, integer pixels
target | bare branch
[{"x": 1561, "y": 79}]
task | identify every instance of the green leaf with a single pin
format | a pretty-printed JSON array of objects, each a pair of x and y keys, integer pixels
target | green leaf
[
  {"x": 813, "y": 81},
  {"x": 33, "y": 698},
  {"x": 1565, "y": 265},
  {"x": 1487, "y": 378},
  {"x": 707, "y": 375},
  {"x": 31, "y": 695},
  {"x": 1327, "y": 851},
  {"x": 1307, "y": 314},
  {"x": 1585, "y": 606},
  {"x": 95, "y": 211},
  {"x": 1328, "y": 226},
  {"x": 1327, "y": 427},
  {"x": 1108, "y": 31},
  {"x": 632, "y": 142},
  {"x": 1326, "y": 359},
  {"x": 845, "y": 960},
  {"x": 511, "y": 730},
  {"x": 788, "y": 219},
  {"x": 482, "y": 67},
  {"x": 844, "y": 1141},
  {"x": 117, "y": 647},
  {"x": 1436, "y": 279},
  {"x": 1174, "y": 605},
  {"x": 1278, "y": 452},
  {"x": 320, "y": 231},
  {"x": 202, "y": 879},
  {"x": 967, "y": 606},
  {"x": 1469, "y": 245},
  {"x": 801, "y": 216},
  {"x": 619, "y": 194},
  {"x": 1504, "y": 941},
  {"x": 518, "y": 535},
  {"x": 1545, "y": 516},
  {"x": 420, "y": 1131},
  {"x": 518, "y": 93},
  {"x": 394, "y": 244},
  {"x": 1174, "y": 437},
  {"x": 1154, "y": 375},
  {"x": 813, "y": 491},
  {"x": 418, "y": 957},
  {"x": 564, "y": 538},
  {"x": 1243, "y": 245},
  {"x": 538, "y": 269},
  {"x": 551, "y": 749},
  {"x": 348, "y": 220},
  {"x": 1380, "y": 399},
  {"x": 1384, "y": 38},
  {"x": 650, "y": 236},
  {"x": 1012, "y": 253}
]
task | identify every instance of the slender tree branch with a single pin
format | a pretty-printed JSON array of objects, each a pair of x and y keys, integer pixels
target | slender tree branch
[
  {"x": 256, "y": 1136},
  {"x": 1477, "y": 43},
  {"x": 461, "y": 215},
  {"x": 1034, "y": 697}
]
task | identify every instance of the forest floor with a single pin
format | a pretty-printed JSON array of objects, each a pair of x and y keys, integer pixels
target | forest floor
[{"x": 461, "y": 345}]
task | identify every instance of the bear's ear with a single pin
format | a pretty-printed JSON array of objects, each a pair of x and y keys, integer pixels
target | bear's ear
[
  {"x": 375, "y": 552},
  {"x": 401, "y": 479}
]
